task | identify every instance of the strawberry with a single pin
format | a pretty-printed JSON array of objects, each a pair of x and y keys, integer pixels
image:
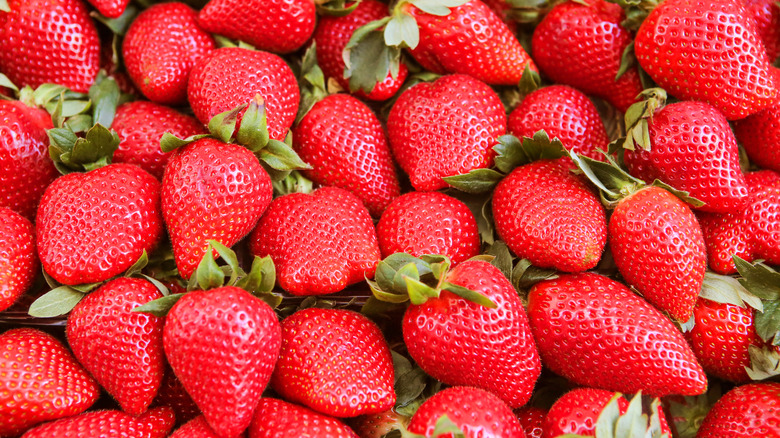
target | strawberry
[
  {"x": 24, "y": 145},
  {"x": 160, "y": 49},
  {"x": 420, "y": 223},
  {"x": 33, "y": 51},
  {"x": 226, "y": 382},
  {"x": 229, "y": 77},
  {"x": 476, "y": 412},
  {"x": 280, "y": 419},
  {"x": 746, "y": 411},
  {"x": 61, "y": 386},
  {"x": 531, "y": 418},
  {"x": 766, "y": 15},
  {"x": 445, "y": 128},
  {"x": 378, "y": 425},
  {"x": 354, "y": 371},
  {"x": 18, "y": 258},
  {"x": 278, "y": 26},
  {"x": 122, "y": 349},
  {"x": 155, "y": 423},
  {"x": 679, "y": 31},
  {"x": 550, "y": 216},
  {"x": 759, "y": 135},
  {"x": 565, "y": 113},
  {"x": 110, "y": 8},
  {"x": 320, "y": 242},
  {"x": 581, "y": 45},
  {"x": 344, "y": 142},
  {"x": 196, "y": 428},
  {"x": 640, "y": 348},
  {"x": 578, "y": 411},
  {"x": 140, "y": 126},
  {"x": 173, "y": 395}
]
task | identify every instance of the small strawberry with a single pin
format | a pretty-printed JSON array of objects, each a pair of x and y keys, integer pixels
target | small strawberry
[
  {"x": 18, "y": 258},
  {"x": 162, "y": 45},
  {"x": 767, "y": 18},
  {"x": 110, "y": 8},
  {"x": 196, "y": 428},
  {"x": 155, "y": 423},
  {"x": 445, "y": 128},
  {"x": 280, "y": 419},
  {"x": 759, "y": 135},
  {"x": 578, "y": 411},
  {"x": 39, "y": 381},
  {"x": 750, "y": 410}
]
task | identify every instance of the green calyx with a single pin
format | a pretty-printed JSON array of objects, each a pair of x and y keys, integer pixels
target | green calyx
[
  {"x": 637, "y": 119},
  {"x": 636, "y": 12},
  {"x": 763, "y": 282},
  {"x": 335, "y": 8},
  {"x": 689, "y": 414},
  {"x": 728, "y": 290},
  {"x": 312, "y": 82},
  {"x": 634, "y": 423}
]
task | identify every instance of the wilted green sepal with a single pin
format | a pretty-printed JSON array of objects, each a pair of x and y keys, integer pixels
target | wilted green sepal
[
  {"x": 627, "y": 61},
  {"x": 728, "y": 290},
  {"x": 209, "y": 275},
  {"x": 253, "y": 132},
  {"x": 261, "y": 278},
  {"x": 530, "y": 81},
  {"x": 104, "y": 94},
  {"x": 368, "y": 58},
  {"x": 476, "y": 181},
  {"x": 71, "y": 153},
  {"x": 768, "y": 322},
  {"x": 4, "y": 81},
  {"x": 159, "y": 307},
  {"x": 56, "y": 302},
  {"x": 758, "y": 278},
  {"x": 764, "y": 363},
  {"x": 312, "y": 82},
  {"x": 281, "y": 156},
  {"x": 419, "y": 292},
  {"x": 438, "y": 7},
  {"x": 169, "y": 142},
  {"x": 335, "y": 8},
  {"x": 138, "y": 266},
  {"x": 683, "y": 195},
  {"x": 468, "y": 294},
  {"x": 223, "y": 125}
]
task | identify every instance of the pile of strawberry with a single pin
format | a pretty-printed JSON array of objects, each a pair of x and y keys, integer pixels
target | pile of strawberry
[{"x": 428, "y": 218}]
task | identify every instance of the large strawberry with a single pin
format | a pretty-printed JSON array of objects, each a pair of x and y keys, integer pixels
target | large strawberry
[
  {"x": 280, "y": 419},
  {"x": 160, "y": 49},
  {"x": 154, "y": 423},
  {"x": 687, "y": 50},
  {"x": 34, "y": 51},
  {"x": 445, "y": 128},
  {"x": 122, "y": 349},
  {"x": 18, "y": 258},
  {"x": 759, "y": 135},
  {"x": 746, "y": 411},
  {"x": 353, "y": 374},
  {"x": 640, "y": 349},
  {"x": 767, "y": 17},
  {"x": 40, "y": 381}
]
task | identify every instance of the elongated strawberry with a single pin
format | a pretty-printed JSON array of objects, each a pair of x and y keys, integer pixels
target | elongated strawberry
[
  {"x": 62, "y": 387},
  {"x": 675, "y": 43},
  {"x": 155, "y": 423},
  {"x": 280, "y": 419},
  {"x": 160, "y": 49},
  {"x": 445, "y": 128},
  {"x": 746, "y": 411},
  {"x": 640, "y": 349},
  {"x": 18, "y": 258},
  {"x": 759, "y": 135}
]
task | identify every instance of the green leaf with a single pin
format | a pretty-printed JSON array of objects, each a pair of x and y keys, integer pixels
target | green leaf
[
  {"x": 409, "y": 386},
  {"x": 445, "y": 426},
  {"x": 78, "y": 122},
  {"x": 503, "y": 258},
  {"x": 406, "y": 271},
  {"x": 159, "y": 307},
  {"x": 476, "y": 181},
  {"x": 261, "y": 278},
  {"x": 223, "y": 125},
  {"x": 759, "y": 279},
  {"x": 67, "y": 108},
  {"x": 61, "y": 140},
  {"x": 104, "y": 94},
  {"x": 336, "y": 8},
  {"x": 312, "y": 82},
  {"x": 119, "y": 25},
  {"x": 46, "y": 92},
  {"x": 401, "y": 364},
  {"x": 530, "y": 81},
  {"x": 402, "y": 31},
  {"x": 253, "y": 132},
  {"x": 683, "y": 195},
  {"x": 56, "y": 302},
  {"x": 468, "y": 294},
  {"x": 384, "y": 275},
  {"x": 438, "y": 7},
  {"x": 161, "y": 287},
  {"x": 764, "y": 363},
  {"x": 419, "y": 292},
  {"x": 169, "y": 142},
  {"x": 627, "y": 61},
  {"x": 525, "y": 275},
  {"x": 606, "y": 422},
  {"x": 367, "y": 58},
  {"x": 93, "y": 151},
  {"x": 4, "y": 81},
  {"x": 138, "y": 266},
  {"x": 509, "y": 153},
  {"x": 281, "y": 156},
  {"x": 230, "y": 258},
  {"x": 208, "y": 274},
  {"x": 388, "y": 297},
  {"x": 768, "y": 322},
  {"x": 541, "y": 147},
  {"x": 273, "y": 300},
  {"x": 728, "y": 290},
  {"x": 86, "y": 287}
]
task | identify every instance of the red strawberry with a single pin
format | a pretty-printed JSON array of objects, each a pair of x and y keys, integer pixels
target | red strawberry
[
  {"x": 751, "y": 410},
  {"x": 229, "y": 77},
  {"x": 211, "y": 190},
  {"x": 353, "y": 373},
  {"x": 226, "y": 382},
  {"x": 122, "y": 349},
  {"x": 140, "y": 126},
  {"x": 279, "y": 419},
  {"x": 550, "y": 216},
  {"x": 173, "y": 395},
  {"x": 110, "y": 8},
  {"x": 445, "y": 128},
  {"x": 581, "y": 45},
  {"x": 476, "y": 412},
  {"x": 531, "y": 418},
  {"x": 196, "y": 428},
  {"x": 92, "y": 226},
  {"x": 565, "y": 113},
  {"x": 155, "y": 423},
  {"x": 320, "y": 242},
  {"x": 34, "y": 51},
  {"x": 18, "y": 258},
  {"x": 378, "y": 425},
  {"x": 345, "y": 143},
  {"x": 24, "y": 146},
  {"x": 278, "y": 26},
  {"x": 40, "y": 381},
  {"x": 767, "y": 18},
  {"x": 160, "y": 49},
  {"x": 675, "y": 45},
  {"x": 640, "y": 349},
  {"x": 577, "y": 412},
  {"x": 759, "y": 135},
  {"x": 420, "y": 223}
]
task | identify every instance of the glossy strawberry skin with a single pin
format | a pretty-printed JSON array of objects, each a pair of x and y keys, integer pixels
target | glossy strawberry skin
[
  {"x": 693, "y": 149},
  {"x": 155, "y": 423},
  {"x": 160, "y": 49},
  {"x": 582, "y": 46},
  {"x": 759, "y": 135},
  {"x": 725, "y": 66},
  {"x": 278, "y": 26},
  {"x": 24, "y": 145},
  {"x": 33, "y": 52},
  {"x": 173, "y": 395},
  {"x": 476, "y": 412},
  {"x": 110, "y": 8},
  {"x": 225, "y": 382},
  {"x": 659, "y": 249},
  {"x": 470, "y": 40},
  {"x": 565, "y": 113},
  {"x": 767, "y": 18},
  {"x": 93, "y": 226},
  {"x": 746, "y": 411},
  {"x": 331, "y": 37},
  {"x": 531, "y": 418},
  {"x": 211, "y": 190},
  {"x": 640, "y": 348},
  {"x": 455, "y": 137},
  {"x": 63, "y": 388},
  {"x": 550, "y": 216},
  {"x": 320, "y": 242},
  {"x": 354, "y": 372},
  {"x": 195, "y": 428},
  {"x": 463, "y": 343},
  {"x": 280, "y": 419},
  {"x": 18, "y": 257},
  {"x": 345, "y": 143},
  {"x": 229, "y": 77},
  {"x": 419, "y": 223},
  {"x": 377, "y": 425},
  {"x": 122, "y": 349},
  {"x": 577, "y": 412}
]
